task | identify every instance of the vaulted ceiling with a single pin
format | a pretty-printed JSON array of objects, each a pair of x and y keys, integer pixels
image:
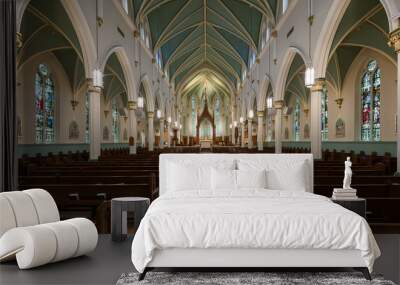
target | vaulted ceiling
[
  {"x": 46, "y": 28},
  {"x": 204, "y": 35}
]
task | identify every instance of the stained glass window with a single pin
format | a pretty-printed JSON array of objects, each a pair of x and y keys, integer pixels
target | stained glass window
[
  {"x": 296, "y": 120},
  {"x": 44, "y": 105},
  {"x": 324, "y": 115},
  {"x": 87, "y": 118},
  {"x": 194, "y": 116},
  {"x": 371, "y": 103},
  {"x": 115, "y": 122}
]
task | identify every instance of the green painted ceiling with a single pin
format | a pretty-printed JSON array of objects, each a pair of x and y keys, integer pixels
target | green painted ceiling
[
  {"x": 46, "y": 28},
  {"x": 364, "y": 25},
  {"x": 193, "y": 34}
]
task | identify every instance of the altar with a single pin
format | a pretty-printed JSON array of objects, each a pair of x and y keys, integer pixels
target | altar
[{"x": 205, "y": 143}]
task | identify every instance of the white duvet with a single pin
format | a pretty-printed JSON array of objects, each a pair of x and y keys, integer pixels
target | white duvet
[{"x": 253, "y": 218}]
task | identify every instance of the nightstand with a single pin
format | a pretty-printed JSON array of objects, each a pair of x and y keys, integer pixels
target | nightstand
[{"x": 358, "y": 206}]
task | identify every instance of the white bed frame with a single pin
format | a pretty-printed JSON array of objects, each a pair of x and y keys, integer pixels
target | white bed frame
[{"x": 250, "y": 258}]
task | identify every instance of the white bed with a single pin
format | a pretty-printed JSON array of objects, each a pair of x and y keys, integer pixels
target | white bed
[{"x": 223, "y": 225}]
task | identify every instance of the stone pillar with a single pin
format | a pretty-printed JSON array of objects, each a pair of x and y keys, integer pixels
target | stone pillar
[
  {"x": 233, "y": 134},
  {"x": 161, "y": 133},
  {"x": 395, "y": 43},
  {"x": 278, "y": 125},
  {"x": 249, "y": 133},
  {"x": 132, "y": 126},
  {"x": 169, "y": 133},
  {"x": 266, "y": 128},
  {"x": 150, "y": 119},
  {"x": 94, "y": 121},
  {"x": 315, "y": 124},
  {"x": 242, "y": 127},
  {"x": 260, "y": 135}
]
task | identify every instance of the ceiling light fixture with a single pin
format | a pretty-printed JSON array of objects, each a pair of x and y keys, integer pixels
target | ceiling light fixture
[
  {"x": 309, "y": 74},
  {"x": 97, "y": 73}
]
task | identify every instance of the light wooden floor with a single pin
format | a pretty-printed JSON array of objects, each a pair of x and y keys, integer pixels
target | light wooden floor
[{"x": 111, "y": 259}]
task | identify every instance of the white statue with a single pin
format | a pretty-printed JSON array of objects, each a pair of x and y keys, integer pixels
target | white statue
[{"x": 347, "y": 174}]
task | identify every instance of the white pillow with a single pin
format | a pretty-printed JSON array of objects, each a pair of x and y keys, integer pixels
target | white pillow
[
  {"x": 182, "y": 177},
  {"x": 293, "y": 177},
  {"x": 223, "y": 179},
  {"x": 251, "y": 178},
  {"x": 283, "y": 174}
]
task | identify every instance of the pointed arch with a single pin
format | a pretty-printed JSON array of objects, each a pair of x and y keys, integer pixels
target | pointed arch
[
  {"x": 280, "y": 86},
  {"x": 126, "y": 68},
  {"x": 262, "y": 94},
  {"x": 84, "y": 34},
  {"x": 145, "y": 81},
  {"x": 331, "y": 24}
]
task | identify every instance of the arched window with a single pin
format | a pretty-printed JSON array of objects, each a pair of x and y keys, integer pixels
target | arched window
[
  {"x": 324, "y": 115},
  {"x": 296, "y": 120},
  {"x": 115, "y": 121},
  {"x": 194, "y": 115},
  {"x": 44, "y": 105},
  {"x": 87, "y": 118},
  {"x": 371, "y": 103}
]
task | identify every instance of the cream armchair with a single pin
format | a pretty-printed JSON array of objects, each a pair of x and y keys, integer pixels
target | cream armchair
[{"x": 31, "y": 230}]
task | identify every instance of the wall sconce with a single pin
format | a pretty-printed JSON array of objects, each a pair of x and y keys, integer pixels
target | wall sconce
[
  {"x": 339, "y": 102},
  {"x": 169, "y": 120},
  {"x": 158, "y": 113},
  {"x": 235, "y": 124},
  {"x": 241, "y": 120},
  {"x": 230, "y": 126}
]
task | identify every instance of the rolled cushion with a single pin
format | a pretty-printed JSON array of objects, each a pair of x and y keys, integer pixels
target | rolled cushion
[
  {"x": 32, "y": 246},
  {"x": 87, "y": 235},
  {"x": 23, "y": 208},
  {"x": 67, "y": 240},
  {"x": 45, "y": 205},
  {"x": 7, "y": 218},
  {"x": 37, "y": 245}
]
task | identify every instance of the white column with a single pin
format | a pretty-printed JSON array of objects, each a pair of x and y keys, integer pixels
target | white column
[
  {"x": 315, "y": 124},
  {"x": 94, "y": 122},
  {"x": 395, "y": 43},
  {"x": 150, "y": 121},
  {"x": 249, "y": 133},
  {"x": 260, "y": 135},
  {"x": 161, "y": 133},
  {"x": 132, "y": 126},
  {"x": 278, "y": 125},
  {"x": 242, "y": 127}
]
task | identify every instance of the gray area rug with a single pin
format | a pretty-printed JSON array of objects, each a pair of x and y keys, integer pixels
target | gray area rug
[{"x": 269, "y": 278}]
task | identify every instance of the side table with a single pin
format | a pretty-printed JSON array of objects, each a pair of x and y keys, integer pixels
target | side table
[
  {"x": 119, "y": 214},
  {"x": 358, "y": 206}
]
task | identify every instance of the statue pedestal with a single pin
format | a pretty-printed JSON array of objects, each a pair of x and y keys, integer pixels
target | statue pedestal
[{"x": 344, "y": 194}]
